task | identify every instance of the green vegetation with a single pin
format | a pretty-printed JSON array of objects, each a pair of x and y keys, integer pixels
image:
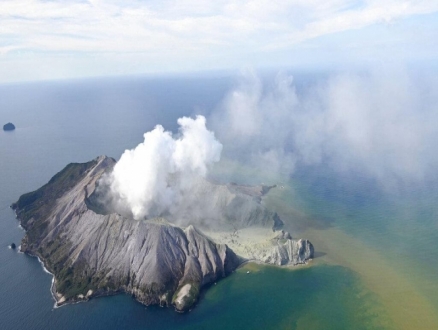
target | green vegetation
[{"x": 71, "y": 282}]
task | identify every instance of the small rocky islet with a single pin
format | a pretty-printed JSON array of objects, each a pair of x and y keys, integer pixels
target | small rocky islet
[
  {"x": 8, "y": 127},
  {"x": 95, "y": 252}
]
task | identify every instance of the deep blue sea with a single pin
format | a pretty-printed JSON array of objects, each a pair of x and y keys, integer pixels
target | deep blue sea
[{"x": 376, "y": 252}]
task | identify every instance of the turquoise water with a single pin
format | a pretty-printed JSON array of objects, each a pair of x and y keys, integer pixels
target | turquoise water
[{"x": 77, "y": 121}]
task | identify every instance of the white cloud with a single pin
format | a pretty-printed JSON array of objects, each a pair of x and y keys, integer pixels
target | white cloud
[
  {"x": 152, "y": 178},
  {"x": 188, "y": 30}
]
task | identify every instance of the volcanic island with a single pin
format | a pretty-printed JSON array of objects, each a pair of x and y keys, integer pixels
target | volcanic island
[{"x": 92, "y": 250}]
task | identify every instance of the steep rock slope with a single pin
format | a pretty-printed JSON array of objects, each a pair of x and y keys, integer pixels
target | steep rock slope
[
  {"x": 288, "y": 252},
  {"x": 92, "y": 254}
]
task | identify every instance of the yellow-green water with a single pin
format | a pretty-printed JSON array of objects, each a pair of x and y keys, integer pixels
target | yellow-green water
[{"x": 403, "y": 286}]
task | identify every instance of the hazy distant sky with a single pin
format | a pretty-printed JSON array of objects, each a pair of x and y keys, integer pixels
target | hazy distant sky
[{"x": 78, "y": 38}]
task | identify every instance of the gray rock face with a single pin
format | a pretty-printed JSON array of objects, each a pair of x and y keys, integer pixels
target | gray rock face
[
  {"x": 290, "y": 252},
  {"x": 92, "y": 254},
  {"x": 281, "y": 236}
]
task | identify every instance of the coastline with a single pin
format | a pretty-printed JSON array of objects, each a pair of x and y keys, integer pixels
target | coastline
[
  {"x": 58, "y": 303},
  {"x": 58, "y": 300},
  {"x": 52, "y": 285}
]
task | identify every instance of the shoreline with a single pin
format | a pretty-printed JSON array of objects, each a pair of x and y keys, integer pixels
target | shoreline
[
  {"x": 251, "y": 239},
  {"x": 58, "y": 303},
  {"x": 264, "y": 264},
  {"x": 41, "y": 261},
  {"x": 52, "y": 285},
  {"x": 53, "y": 292}
]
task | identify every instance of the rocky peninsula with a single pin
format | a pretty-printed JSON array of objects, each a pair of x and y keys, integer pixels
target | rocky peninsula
[{"x": 92, "y": 251}]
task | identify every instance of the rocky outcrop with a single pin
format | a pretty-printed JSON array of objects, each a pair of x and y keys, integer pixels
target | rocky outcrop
[
  {"x": 8, "y": 127},
  {"x": 282, "y": 235},
  {"x": 289, "y": 252},
  {"x": 91, "y": 254}
]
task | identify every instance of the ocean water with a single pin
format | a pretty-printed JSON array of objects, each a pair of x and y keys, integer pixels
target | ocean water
[{"x": 375, "y": 266}]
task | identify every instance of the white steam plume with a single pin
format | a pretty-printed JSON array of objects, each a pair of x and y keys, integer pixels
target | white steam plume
[
  {"x": 151, "y": 178},
  {"x": 382, "y": 123}
]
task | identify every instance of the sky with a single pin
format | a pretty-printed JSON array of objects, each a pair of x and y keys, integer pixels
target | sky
[{"x": 52, "y": 39}]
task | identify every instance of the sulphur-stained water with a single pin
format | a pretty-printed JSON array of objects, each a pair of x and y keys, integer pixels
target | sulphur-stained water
[
  {"x": 317, "y": 297},
  {"x": 387, "y": 241},
  {"x": 375, "y": 250}
]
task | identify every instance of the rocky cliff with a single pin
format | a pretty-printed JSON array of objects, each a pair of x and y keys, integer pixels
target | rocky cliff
[{"x": 288, "y": 252}]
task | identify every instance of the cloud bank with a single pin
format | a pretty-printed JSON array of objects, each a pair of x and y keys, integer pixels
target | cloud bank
[
  {"x": 108, "y": 26},
  {"x": 60, "y": 39}
]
